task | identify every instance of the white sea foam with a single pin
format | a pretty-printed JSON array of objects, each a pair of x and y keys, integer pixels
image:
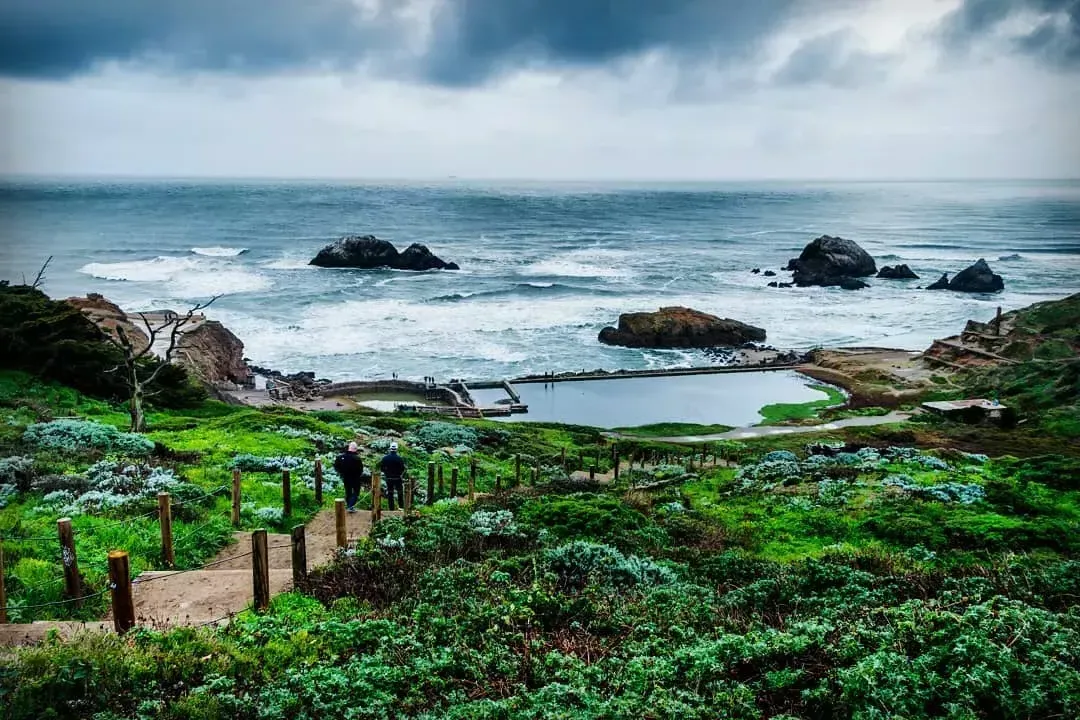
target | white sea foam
[
  {"x": 218, "y": 251},
  {"x": 184, "y": 277},
  {"x": 585, "y": 263},
  {"x": 289, "y": 263}
]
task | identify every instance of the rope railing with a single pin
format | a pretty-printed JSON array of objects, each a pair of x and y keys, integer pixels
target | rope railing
[{"x": 123, "y": 521}]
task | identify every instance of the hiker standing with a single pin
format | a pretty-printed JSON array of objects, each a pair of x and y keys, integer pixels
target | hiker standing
[
  {"x": 393, "y": 471},
  {"x": 350, "y": 468}
]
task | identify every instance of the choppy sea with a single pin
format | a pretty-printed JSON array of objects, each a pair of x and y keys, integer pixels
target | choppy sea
[{"x": 544, "y": 265}]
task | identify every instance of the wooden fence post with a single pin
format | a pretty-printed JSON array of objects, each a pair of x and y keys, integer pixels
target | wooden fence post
[
  {"x": 3, "y": 592},
  {"x": 286, "y": 493},
  {"x": 339, "y": 522},
  {"x": 299, "y": 555},
  {"x": 517, "y": 469},
  {"x": 123, "y": 607},
  {"x": 430, "y": 482},
  {"x": 260, "y": 570},
  {"x": 407, "y": 508},
  {"x": 536, "y": 475},
  {"x": 615, "y": 463},
  {"x": 592, "y": 472},
  {"x": 318, "y": 481},
  {"x": 165, "y": 520},
  {"x": 236, "y": 498},
  {"x": 563, "y": 459},
  {"x": 498, "y": 482},
  {"x": 472, "y": 480},
  {"x": 453, "y": 481},
  {"x": 376, "y": 497},
  {"x": 72, "y": 583},
  {"x": 442, "y": 491}
]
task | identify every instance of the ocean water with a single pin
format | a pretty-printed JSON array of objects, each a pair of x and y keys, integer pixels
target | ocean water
[{"x": 544, "y": 265}]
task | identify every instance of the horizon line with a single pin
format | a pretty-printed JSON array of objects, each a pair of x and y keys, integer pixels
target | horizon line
[{"x": 6, "y": 177}]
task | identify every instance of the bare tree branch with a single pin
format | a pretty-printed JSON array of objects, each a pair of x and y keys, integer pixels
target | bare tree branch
[{"x": 41, "y": 274}]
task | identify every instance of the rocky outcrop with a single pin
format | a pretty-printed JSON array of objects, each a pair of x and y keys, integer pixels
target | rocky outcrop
[
  {"x": 850, "y": 283},
  {"x": 942, "y": 283},
  {"x": 828, "y": 260},
  {"x": 206, "y": 347},
  {"x": 367, "y": 252},
  {"x": 679, "y": 327},
  {"x": 897, "y": 272},
  {"x": 108, "y": 316},
  {"x": 977, "y": 278},
  {"x": 213, "y": 353}
]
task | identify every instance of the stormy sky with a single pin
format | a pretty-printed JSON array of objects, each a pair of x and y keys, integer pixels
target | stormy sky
[{"x": 574, "y": 89}]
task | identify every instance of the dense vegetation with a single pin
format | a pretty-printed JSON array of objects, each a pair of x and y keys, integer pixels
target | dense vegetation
[
  {"x": 917, "y": 570},
  {"x": 55, "y": 341}
]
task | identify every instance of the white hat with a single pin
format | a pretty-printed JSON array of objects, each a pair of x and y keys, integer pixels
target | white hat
[
  {"x": 353, "y": 447},
  {"x": 393, "y": 446}
]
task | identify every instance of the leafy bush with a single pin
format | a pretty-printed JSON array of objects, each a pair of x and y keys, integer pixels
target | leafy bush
[
  {"x": 435, "y": 434},
  {"x": 496, "y": 522},
  {"x": 962, "y": 493},
  {"x": 81, "y": 435},
  {"x": 17, "y": 470},
  {"x": 246, "y": 462},
  {"x": 580, "y": 562},
  {"x": 780, "y": 456}
]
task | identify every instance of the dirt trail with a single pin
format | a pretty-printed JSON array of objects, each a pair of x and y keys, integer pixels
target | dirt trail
[{"x": 211, "y": 595}]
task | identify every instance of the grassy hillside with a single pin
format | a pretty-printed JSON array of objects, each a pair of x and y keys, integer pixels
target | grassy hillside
[{"x": 873, "y": 580}]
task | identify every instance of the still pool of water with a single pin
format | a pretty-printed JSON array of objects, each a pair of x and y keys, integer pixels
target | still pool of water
[{"x": 723, "y": 399}]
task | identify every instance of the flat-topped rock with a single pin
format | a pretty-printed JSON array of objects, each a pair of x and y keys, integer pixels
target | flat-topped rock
[
  {"x": 679, "y": 327},
  {"x": 367, "y": 252}
]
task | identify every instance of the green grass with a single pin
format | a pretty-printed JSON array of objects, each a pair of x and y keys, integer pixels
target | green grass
[
  {"x": 671, "y": 429},
  {"x": 783, "y": 413}
]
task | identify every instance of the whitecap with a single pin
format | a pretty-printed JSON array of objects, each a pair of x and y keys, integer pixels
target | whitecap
[
  {"x": 218, "y": 251},
  {"x": 183, "y": 277}
]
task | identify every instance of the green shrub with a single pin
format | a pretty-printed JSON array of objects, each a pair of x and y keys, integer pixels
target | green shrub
[{"x": 82, "y": 435}]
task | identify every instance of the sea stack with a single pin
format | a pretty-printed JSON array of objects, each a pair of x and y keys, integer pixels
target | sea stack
[
  {"x": 830, "y": 261},
  {"x": 367, "y": 252},
  {"x": 679, "y": 327}
]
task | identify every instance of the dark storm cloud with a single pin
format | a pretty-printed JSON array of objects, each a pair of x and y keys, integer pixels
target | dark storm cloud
[
  {"x": 829, "y": 59},
  {"x": 477, "y": 39},
  {"x": 60, "y": 38},
  {"x": 1055, "y": 40},
  {"x": 472, "y": 41}
]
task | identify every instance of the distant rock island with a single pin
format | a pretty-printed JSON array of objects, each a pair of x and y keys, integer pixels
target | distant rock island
[
  {"x": 976, "y": 278},
  {"x": 679, "y": 327},
  {"x": 367, "y": 252}
]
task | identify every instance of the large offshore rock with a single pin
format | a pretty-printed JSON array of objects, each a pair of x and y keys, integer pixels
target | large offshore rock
[
  {"x": 829, "y": 260},
  {"x": 679, "y": 327},
  {"x": 367, "y": 252}
]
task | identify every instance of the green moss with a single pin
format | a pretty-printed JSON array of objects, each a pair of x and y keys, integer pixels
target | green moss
[
  {"x": 780, "y": 413},
  {"x": 671, "y": 429}
]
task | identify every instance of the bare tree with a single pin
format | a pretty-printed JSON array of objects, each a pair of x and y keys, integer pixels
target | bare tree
[
  {"x": 41, "y": 274},
  {"x": 139, "y": 376}
]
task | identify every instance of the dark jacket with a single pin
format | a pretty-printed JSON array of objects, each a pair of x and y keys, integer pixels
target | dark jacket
[
  {"x": 392, "y": 466},
  {"x": 349, "y": 466}
]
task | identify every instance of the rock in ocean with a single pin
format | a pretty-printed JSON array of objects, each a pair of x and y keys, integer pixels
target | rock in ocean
[
  {"x": 679, "y": 327},
  {"x": 367, "y": 252},
  {"x": 828, "y": 260}
]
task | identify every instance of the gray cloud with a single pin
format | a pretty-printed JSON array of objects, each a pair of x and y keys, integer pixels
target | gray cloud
[
  {"x": 61, "y": 38},
  {"x": 829, "y": 59},
  {"x": 479, "y": 39},
  {"x": 473, "y": 41},
  {"x": 1055, "y": 40}
]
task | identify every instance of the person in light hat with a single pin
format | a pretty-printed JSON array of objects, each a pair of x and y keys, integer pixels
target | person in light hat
[
  {"x": 393, "y": 471},
  {"x": 350, "y": 467}
]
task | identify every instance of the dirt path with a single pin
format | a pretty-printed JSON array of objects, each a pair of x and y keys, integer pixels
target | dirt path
[{"x": 221, "y": 589}]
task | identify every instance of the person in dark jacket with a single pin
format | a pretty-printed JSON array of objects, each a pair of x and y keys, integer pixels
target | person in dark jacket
[
  {"x": 393, "y": 471},
  {"x": 350, "y": 468}
]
